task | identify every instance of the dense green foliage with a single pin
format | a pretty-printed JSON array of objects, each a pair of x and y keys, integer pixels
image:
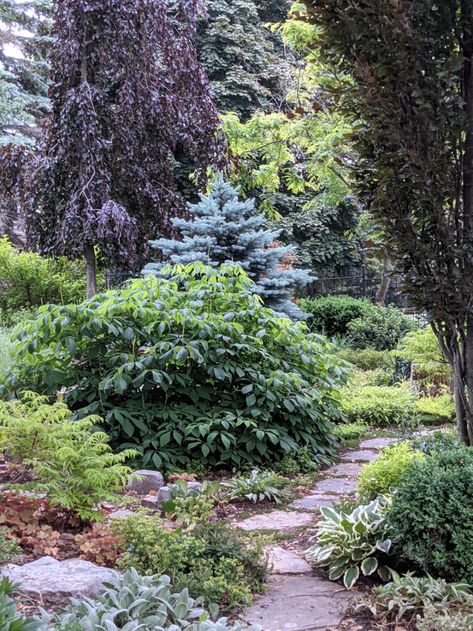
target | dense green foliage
[
  {"x": 432, "y": 518},
  {"x": 433, "y": 409},
  {"x": 10, "y": 619},
  {"x": 190, "y": 367},
  {"x": 28, "y": 281},
  {"x": 378, "y": 405},
  {"x": 350, "y": 544},
  {"x": 421, "y": 347},
  {"x": 258, "y": 486},
  {"x": 214, "y": 561},
  {"x": 369, "y": 359},
  {"x": 73, "y": 463},
  {"x": 386, "y": 472},
  {"x": 331, "y": 315},
  {"x": 380, "y": 328}
]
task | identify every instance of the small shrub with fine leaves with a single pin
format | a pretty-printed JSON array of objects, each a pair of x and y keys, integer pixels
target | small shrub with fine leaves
[
  {"x": 187, "y": 367},
  {"x": 386, "y": 472},
  {"x": 381, "y": 328},
  {"x": 378, "y": 405},
  {"x": 71, "y": 462},
  {"x": 331, "y": 315}
]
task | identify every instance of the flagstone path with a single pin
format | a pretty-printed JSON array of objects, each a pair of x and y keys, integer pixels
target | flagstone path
[{"x": 296, "y": 599}]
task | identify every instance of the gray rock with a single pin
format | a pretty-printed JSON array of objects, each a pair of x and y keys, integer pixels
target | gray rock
[
  {"x": 121, "y": 513},
  {"x": 314, "y": 502},
  {"x": 276, "y": 520},
  {"x": 282, "y": 561},
  {"x": 150, "y": 501},
  {"x": 48, "y": 577},
  {"x": 194, "y": 486},
  {"x": 144, "y": 481},
  {"x": 164, "y": 494},
  {"x": 299, "y": 603}
]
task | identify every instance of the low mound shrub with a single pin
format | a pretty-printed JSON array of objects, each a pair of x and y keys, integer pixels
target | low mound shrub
[
  {"x": 385, "y": 473},
  {"x": 187, "y": 367},
  {"x": 331, "y": 315},
  {"x": 436, "y": 409},
  {"x": 369, "y": 359},
  {"x": 213, "y": 560},
  {"x": 431, "y": 515},
  {"x": 378, "y": 405},
  {"x": 380, "y": 328}
]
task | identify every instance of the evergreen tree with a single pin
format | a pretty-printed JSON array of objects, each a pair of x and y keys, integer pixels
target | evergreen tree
[
  {"x": 25, "y": 44},
  {"x": 243, "y": 58},
  {"x": 223, "y": 229}
]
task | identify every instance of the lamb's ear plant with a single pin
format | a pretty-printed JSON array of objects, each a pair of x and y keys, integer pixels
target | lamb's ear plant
[
  {"x": 258, "y": 486},
  {"x": 353, "y": 544}
]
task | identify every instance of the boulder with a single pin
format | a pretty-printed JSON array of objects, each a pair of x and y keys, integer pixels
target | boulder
[
  {"x": 144, "y": 481},
  {"x": 72, "y": 578}
]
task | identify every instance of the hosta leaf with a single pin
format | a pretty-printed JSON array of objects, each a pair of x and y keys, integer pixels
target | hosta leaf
[
  {"x": 351, "y": 576},
  {"x": 384, "y": 546},
  {"x": 369, "y": 566}
]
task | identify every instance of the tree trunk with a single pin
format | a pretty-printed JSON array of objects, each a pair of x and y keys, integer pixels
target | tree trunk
[
  {"x": 91, "y": 271},
  {"x": 385, "y": 281}
]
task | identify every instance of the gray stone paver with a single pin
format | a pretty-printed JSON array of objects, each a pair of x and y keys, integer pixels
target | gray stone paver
[
  {"x": 296, "y": 600},
  {"x": 360, "y": 455},
  {"x": 299, "y": 603},
  {"x": 276, "y": 520},
  {"x": 314, "y": 502}
]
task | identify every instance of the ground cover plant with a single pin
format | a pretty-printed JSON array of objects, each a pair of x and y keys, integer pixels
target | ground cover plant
[
  {"x": 378, "y": 405},
  {"x": 258, "y": 486},
  {"x": 188, "y": 367}
]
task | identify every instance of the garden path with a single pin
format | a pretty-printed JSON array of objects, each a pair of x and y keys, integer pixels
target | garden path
[{"x": 297, "y": 599}]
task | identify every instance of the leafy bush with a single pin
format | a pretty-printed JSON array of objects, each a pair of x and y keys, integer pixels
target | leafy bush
[
  {"x": 421, "y": 347},
  {"x": 349, "y": 543},
  {"x": 138, "y": 602},
  {"x": 409, "y": 598},
  {"x": 301, "y": 462},
  {"x": 185, "y": 368},
  {"x": 379, "y": 476},
  {"x": 331, "y": 315},
  {"x": 71, "y": 461},
  {"x": 380, "y": 328},
  {"x": 445, "y": 619},
  {"x": 377, "y": 377},
  {"x": 440, "y": 408},
  {"x": 432, "y": 517},
  {"x": 369, "y": 359},
  {"x": 259, "y": 486},
  {"x": 437, "y": 442},
  {"x": 378, "y": 405},
  {"x": 190, "y": 506},
  {"x": 10, "y": 620},
  {"x": 28, "y": 281},
  {"x": 213, "y": 560},
  {"x": 353, "y": 431}
]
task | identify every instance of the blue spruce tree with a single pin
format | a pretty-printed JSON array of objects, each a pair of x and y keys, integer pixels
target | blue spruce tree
[{"x": 224, "y": 229}]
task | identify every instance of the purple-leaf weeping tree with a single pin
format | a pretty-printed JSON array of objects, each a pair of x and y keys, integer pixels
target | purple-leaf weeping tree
[{"x": 127, "y": 92}]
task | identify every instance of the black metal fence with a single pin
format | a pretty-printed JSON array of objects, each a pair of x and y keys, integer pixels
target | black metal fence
[{"x": 359, "y": 286}]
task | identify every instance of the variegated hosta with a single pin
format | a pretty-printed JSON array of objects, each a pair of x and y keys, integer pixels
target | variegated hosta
[{"x": 350, "y": 544}]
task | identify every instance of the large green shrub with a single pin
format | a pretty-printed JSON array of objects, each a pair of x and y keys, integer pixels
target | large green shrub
[
  {"x": 380, "y": 328},
  {"x": 28, "y": 281},
  {"x": 192, "y": 367},
  {"x": 331, "y": 315},
  {"x": 431, "y": 514},
  {"x": 378, "y": 405},
  {"x": 379, "y": 476}
]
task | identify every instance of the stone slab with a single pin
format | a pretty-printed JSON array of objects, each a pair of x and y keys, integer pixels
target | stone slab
[
  {"x": 276, "y": 520},
  {"x": 70, "y": 578},
  {"x": 299, "y": 603},
  {"x": 282, "y": 561},
  {"x": 376, "y": 443},
  {"x": 314, "y": 502},
  {"x": 345, "y": 469},
  {"x": 359, "y": 455},
  {"x": 335, "y": 486},
  {"x": 144, "y": 481}
]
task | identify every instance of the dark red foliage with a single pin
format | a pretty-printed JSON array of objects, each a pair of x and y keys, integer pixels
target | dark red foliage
[{"x": 127, "y": 92}]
